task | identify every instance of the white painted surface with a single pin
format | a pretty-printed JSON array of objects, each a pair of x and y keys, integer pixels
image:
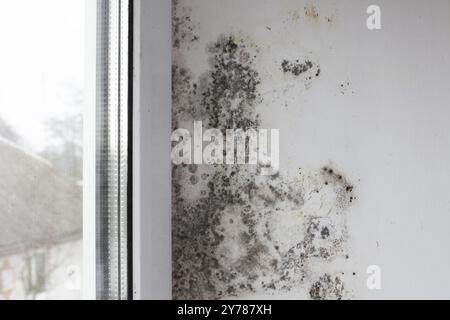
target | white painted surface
[
  {"x": 151, "y": 146},
  {"x": 388, "y": 132}
]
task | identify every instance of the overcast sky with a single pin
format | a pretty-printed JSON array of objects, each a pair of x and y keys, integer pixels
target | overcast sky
[{"x": 41, "y": 63}]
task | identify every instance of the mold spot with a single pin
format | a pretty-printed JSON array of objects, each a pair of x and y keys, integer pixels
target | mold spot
[
  {"x": 305, "y": 70},
  {"x": 311, "y": 12},
  {"x": 345, "y": 87},
  {"x": 194, "y": 179},
  {"x": 296, "y": 68},
  {"x": 330, "y": 20},
  {"x": 327, "y": 287}
]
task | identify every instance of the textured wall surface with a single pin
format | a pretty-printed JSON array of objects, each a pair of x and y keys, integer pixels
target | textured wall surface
[{"x": 363, "y": 149}]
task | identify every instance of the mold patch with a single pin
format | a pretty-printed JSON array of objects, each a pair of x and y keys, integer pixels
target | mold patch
[
  {"x": 236, "y": 232},
  {"x": 184, "y": 30},
  {"x": 297, "y": 68},
  {"x": 306, "y": 70},
  {"x": 327, "y": 287}
]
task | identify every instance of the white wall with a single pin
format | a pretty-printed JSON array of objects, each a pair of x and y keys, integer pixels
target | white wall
[{"x": 377, "y": 114}]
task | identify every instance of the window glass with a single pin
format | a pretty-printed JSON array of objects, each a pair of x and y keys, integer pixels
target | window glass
[{"x": 41, "y": 99}]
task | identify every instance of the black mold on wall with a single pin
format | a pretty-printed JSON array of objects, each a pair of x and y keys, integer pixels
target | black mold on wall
[
  {"x": 184, "y": 29},
  {"x": 327, "y": 287},
  {"x": 234, "y": 231},
  {"x": 304, "y": 70},
  {"x": 298, "y": 68}
]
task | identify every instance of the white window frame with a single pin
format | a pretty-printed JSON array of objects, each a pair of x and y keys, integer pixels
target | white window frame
[
  {"x": 152, "y": 215},
  {"x": 107, "y": 185}
]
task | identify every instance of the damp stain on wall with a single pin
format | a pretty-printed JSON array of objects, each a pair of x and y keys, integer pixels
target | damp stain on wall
[
  {"x": 311, "y": 12},
  {"x": 235, "y": 232}
]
